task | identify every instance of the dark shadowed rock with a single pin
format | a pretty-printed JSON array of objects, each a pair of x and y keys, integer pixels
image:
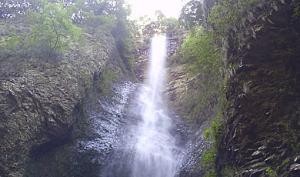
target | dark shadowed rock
[
  {"x": 40, "y": 100},
  {"x": 263, "y": 93}
]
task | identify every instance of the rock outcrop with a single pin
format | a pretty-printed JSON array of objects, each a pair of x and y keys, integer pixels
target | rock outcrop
[
  {"x": 40, "y": 100},
  {"x": 261, "y": 136},
  {"x": 187, "y": 100}
]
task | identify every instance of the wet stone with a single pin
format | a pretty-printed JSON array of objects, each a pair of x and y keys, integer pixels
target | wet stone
[
  {"x": 297, "y": 159},
  {"x": 270, "y": 159},
  {"x": 257, "y": 154},
  {"x": 295, "y": 167}
]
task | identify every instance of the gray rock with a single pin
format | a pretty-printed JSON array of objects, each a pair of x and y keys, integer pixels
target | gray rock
[
  {"x": 295, "y": 167},
  {"x": 270, "y": 159},
  {"x": 297, "y": 159},
  {"x": 39, "y": 99},
  {"x": 257, "y": 154}
]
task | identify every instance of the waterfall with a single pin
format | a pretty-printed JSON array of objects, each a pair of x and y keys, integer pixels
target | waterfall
[{"x": 154, "y": 148}]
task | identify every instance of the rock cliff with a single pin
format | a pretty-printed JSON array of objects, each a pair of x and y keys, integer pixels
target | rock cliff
[
  {"x": 261, "y": 136},
  {"x": 261, "y": 120},
  {"x": 41, "y": 99}
]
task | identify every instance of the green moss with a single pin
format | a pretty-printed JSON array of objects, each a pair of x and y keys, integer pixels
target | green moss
[
  {"x": 107, "y": 78},
  {"x": 208, "y": 162},
  {"x": 285, "y": 163},
  {"x": 270, "y": 172},
  {"x": 296, "y": 11},
  {"x": 10, "y": 42},
  {"x": 210, "y": 173},
  {"x": 213, "y": 134},
  {"x": 228, "y": 171},
  {"x": 202, "y": 60},
  {"x": 209, "y": 156}
]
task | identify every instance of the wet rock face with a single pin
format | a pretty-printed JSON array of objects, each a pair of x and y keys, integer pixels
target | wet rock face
[
  {"x": 39, "y": 101},
  {"x": 95, "y": 137},
  {"x": 183, "y": 91},
  {"x": 262, "y": 131}
]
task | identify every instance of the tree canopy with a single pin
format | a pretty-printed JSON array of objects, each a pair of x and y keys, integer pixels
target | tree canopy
[
  {"x": 192, "y": 14},
  {"x": 54, "y": 24}
]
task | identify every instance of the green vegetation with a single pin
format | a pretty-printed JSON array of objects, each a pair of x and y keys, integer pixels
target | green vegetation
[
  {"x": 9, "y": 42},
  {"x": 208, "y": 162},
  {"x": 270, "y": 172},
  {"x": 94, "y": 22},
  {"x": 107, "y": 78},
  {"x": 283, "y": 164},
  {"x": 161, "y": 24},
  {"x": 296, "y": 11},
  {"x": 47, "y": 29},
  {"x": 53, "y": 29},
  {"x": 228, "y": 171},
  {"x": 201, "y": 53},
  {"x": 192, "y": 14},
  {"x": 202, "y": 58},
  {"x": 50, "y": 32},
  {"x": 228, "y": 13},
  {"x": 213, "y": 135},
  {"x": 214, "y": 131},
  {"x": 124, "y": 34}
]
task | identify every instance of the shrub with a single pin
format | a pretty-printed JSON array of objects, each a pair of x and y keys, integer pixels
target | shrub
[
  {"x": 213, "y": 132},
  {"x": 270, "y": 172},
  {"x": 202, "y": 59},
  {"x": 9, "y": 43},
  {"x": 52, "y": 30},
  {"x": 48, "y": 33},
  {"x": 201, "y": 53},
  {"x": 228, "y": 13},
  {"x": 105, "y": 22}
]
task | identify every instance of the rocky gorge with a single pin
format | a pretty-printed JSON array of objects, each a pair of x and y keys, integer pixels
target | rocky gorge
[{"x": 75, "y": 116}]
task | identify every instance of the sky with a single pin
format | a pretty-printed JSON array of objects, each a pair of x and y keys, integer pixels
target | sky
[{"x": 170, "y": 8}]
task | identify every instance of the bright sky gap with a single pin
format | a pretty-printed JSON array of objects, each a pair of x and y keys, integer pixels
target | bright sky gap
[{"x": 170, "y": 8}]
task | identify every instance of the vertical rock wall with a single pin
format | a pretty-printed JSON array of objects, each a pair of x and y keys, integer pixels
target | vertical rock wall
[
  {"x": 40, "y": 99},
  {"x": 262, "y": 131}
]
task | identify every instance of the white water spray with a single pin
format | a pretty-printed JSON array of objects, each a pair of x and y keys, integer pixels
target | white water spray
[{"x": 154, "y": 150}]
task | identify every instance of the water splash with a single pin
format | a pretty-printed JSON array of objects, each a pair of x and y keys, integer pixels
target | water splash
[{"x": 154, "y": 149}]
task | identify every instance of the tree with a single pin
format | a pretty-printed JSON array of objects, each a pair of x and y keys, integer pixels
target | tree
[
  {"x": 53, "y": 29},
  {"x": 192, "y": 14},
  {"x": 161, "y": 24},
  {"x": 49, "y": 31}
]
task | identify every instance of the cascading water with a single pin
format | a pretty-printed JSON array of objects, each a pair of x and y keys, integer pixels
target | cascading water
[
  {"x": 146, "y": 147},
  {"x": 154, "y": 149}
]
